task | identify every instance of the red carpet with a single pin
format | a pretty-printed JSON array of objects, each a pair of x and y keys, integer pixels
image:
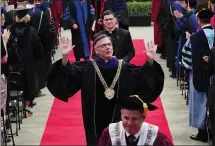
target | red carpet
[{"x": 65, "y": 127}]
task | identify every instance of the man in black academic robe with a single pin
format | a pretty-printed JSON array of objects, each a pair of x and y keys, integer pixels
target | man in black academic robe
[
  {"x": 80, "y": 16},
  {"x": 200, "y": 46},
  {"x": 98, "y": 111},
  {"x": 122, "y": 42}
]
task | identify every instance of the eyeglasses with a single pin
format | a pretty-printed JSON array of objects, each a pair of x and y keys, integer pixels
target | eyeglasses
[
  {"x": 104, "y": 45},
  {"x": 111, "y": 19}
]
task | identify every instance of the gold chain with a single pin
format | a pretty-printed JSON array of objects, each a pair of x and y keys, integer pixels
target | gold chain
[{"x": 102, "y": 78}]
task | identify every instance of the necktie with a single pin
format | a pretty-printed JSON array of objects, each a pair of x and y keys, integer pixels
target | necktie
[{"x": 131, "y": 139}]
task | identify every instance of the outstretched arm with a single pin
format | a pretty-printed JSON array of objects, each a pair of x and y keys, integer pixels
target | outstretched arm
[
  {"x": 64, "y": 79},
  {"x": 149, "y": 78}
]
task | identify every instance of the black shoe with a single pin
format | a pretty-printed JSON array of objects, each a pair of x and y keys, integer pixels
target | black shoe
[
  {"x": 32, "y": 104},
  {"x": 198, "y": 138},
  {"x": 8, "y": 140}
]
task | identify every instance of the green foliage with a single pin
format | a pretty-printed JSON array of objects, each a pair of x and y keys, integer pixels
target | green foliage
[{"x": 139, "y": 8}]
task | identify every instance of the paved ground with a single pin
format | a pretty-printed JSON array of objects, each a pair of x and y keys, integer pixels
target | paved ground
[{"x": 173, "y": 102}]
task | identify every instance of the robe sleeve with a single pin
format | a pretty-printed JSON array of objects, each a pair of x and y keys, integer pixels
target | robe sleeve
[
  {"x": 180, "y": 23},
  {"x": 149, "y": 81},
  {"x": 162, "y": 140},
  {"x": 104, "y": 139},
  {"x": 64, "y": 81}
]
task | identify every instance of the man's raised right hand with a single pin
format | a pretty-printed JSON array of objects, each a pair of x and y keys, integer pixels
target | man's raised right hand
[{"x": 65, "y": 49}]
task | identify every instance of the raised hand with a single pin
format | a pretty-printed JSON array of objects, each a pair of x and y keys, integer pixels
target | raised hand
[
  {"x": 6, "y": 36},
  {"x": 188, "y": 35},
  {"x": 205, "y": 58},
  {"x": 65, "y": 46},
  {"x": 150, "y": 51}
]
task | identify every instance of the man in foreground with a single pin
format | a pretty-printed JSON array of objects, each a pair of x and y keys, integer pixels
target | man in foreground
[
  {"x": 132, "y": 130},
  {"x": 103, "y": 81}
]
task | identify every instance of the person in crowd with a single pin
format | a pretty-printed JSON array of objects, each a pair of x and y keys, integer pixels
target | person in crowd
[
  {"x": 41, "y": 21},
  {"x": 10, "y": 15},
  {"x": 170, "y": 36},
  {"x": 99, "y": 9},
  {"x": 80, "y": 15},
  {"x": 30, "y": 50},
  {"x": 201, "y": 43},
  {"x": 181, "y": 17},
  {"x": 190, "y": 28},
  {"x": 211, "y": 95},
  {"x": 132, "y": 129},
  {"x": 5, "y": 34},
  {"x": 119, "y": 7},
  {"x": 57, "y": 13},
  {"x": 103, "y": 80},
  {"x": 122, "y": 43}
]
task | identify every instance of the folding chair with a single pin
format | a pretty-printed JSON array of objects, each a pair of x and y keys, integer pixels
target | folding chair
[
  {"x": 5, "y": 125},
  {"x": 16, "y": 104}
]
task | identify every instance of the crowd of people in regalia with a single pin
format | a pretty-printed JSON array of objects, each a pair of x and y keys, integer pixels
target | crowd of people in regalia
[
  {"x": 184, "y": 34},
  {"x": 116, "y": 95},
  {"x": 29, "y": 38}
]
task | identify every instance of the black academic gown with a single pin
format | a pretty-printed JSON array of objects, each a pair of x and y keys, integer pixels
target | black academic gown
[
  {"x": 200, "y": 48},
  {"x": 122, "y": 43},
  {"x": 167, "y": 23},
  {"x": 99, "y": 112},
  {"x": 40, "y": 21},
  {"x": 81, "y": 15},
  {"x": 30, "y": 51},
  {"x": 211, "y": 93}
]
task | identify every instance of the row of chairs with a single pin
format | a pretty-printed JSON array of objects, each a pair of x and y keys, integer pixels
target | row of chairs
[
  {"x": 15, "y": 108},
  {"x": 182, "y": 80}
]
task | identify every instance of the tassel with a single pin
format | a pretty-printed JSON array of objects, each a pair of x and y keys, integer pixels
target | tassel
[{"x": 145, "y": 107}]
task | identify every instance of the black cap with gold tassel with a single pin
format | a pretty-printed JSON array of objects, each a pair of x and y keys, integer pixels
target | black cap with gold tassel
[{"x": 134, "y": 102}]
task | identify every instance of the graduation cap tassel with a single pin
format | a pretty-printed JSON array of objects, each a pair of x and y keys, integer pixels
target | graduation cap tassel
[{"x": 145, "y": 107}]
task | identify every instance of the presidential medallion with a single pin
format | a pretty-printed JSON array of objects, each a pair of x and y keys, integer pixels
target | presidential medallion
[{"x": 109, "y": 93}]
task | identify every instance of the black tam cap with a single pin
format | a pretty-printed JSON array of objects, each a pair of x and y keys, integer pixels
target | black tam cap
[
  {"x": 205, "y": 14},
  {"x": 134, "y": 102},
  {"x": 212, "y": 1},
  {"x": 21, "y": 12}
]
